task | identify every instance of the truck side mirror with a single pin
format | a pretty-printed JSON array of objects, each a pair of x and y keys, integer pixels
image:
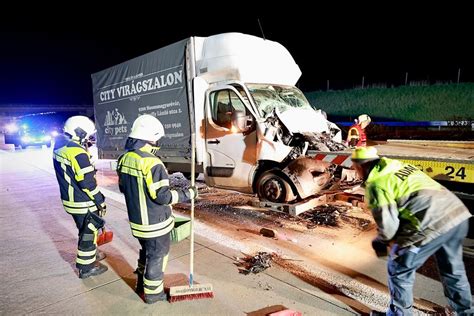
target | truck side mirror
[{"x": 241, "y": 122}]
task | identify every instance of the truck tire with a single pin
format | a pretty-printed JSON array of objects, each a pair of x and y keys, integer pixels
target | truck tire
[{"x": 274, "y": 188}]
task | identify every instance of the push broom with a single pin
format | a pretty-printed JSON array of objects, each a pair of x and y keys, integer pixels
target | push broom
[{"x": 191, "y": 291}]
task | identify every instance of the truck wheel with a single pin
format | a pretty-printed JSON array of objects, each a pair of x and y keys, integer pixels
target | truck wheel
[{"x": 271, "y": 187}]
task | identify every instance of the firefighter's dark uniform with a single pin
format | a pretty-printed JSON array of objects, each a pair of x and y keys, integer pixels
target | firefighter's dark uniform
[
  {"x": 79, "y": 195},
  {"x": 143, "y": 180}
]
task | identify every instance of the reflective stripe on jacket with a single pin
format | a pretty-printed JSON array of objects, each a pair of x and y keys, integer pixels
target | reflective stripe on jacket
[
  {"x": 357, "y": 133},
  {"x": 408, "y": 206},
  {"x": 143, "y": 180},
  {"x": 76, "y": 177}
]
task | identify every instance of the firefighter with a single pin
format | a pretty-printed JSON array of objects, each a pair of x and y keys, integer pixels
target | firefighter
[
  {"x": 356, "y": 136},
  {"x": 79, "y": 192},
  {"x": 143, "y": 180},
  {"x": 418, "y": 218}
]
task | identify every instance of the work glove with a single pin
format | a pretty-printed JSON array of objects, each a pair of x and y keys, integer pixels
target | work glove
[
  {"x": 380, "y": 247},
  {"x": 191, "y": 193},
  {"x": 102, "y": 209}
]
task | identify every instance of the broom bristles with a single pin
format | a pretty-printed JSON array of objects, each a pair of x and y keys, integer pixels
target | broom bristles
[
  {"x": 191, "y": 297},
  {"x": 188, "y": 293}
]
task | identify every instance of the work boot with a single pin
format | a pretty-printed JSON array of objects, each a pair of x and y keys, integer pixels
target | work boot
[
  {"x": 100, "y": 256},
  {"x": 98, "y": 268},
  {"x": 153, "y": 298}
]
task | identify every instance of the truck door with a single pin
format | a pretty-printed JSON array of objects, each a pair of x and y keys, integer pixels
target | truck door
[{"x": 231, "y": 150}]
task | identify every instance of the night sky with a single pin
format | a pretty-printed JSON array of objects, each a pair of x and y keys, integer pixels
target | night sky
[{"x": 54, "y": 67}]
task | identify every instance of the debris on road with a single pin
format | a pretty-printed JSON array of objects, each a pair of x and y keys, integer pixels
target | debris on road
[
  {"x": 327, "y": 215},
  {"x": 266, "y": 286},
  {"x": 331, "y": 215},
  {"x": 362, "y": 223},
  {"x": 272, "y": 233},
  {"x": 267, "y": 232},
  {"x": 254, "y": 264}
]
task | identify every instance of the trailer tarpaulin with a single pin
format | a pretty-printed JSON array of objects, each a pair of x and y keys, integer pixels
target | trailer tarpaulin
[{"x": 155, "y": 84}]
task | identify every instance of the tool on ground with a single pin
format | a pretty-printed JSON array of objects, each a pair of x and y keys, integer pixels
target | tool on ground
[{"x": 191, "y": 291}]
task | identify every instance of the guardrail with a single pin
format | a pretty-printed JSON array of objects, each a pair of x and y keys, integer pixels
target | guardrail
[{"x": 466, "y": 124}]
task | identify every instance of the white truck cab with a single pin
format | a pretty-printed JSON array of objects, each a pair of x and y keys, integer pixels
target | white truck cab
[{"x": 257, "y": 125}]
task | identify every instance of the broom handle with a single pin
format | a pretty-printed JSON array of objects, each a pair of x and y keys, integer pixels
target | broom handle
[{"x": 193, "y": 181}]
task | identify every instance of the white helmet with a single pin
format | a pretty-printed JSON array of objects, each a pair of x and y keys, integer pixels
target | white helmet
[
  {"x": 79, "y": 127},
  {"x": 147, "y": 127},
  {"x": 364, "y": 118}
]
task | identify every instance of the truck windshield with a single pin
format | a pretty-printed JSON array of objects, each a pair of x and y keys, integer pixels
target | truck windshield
[{"x": 267, "y": 97}]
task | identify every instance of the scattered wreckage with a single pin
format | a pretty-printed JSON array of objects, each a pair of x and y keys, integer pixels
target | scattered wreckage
[{"x": 254, "y": 263}]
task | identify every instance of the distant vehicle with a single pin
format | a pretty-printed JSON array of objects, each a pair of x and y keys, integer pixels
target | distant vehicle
[{"x": 35, "y": 129}]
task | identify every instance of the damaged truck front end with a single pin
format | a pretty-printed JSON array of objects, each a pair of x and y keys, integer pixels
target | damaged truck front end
[{"x": 289, "y": 127}]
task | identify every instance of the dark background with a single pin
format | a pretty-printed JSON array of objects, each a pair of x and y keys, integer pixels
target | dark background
[{"x": 54, "y": 66}]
